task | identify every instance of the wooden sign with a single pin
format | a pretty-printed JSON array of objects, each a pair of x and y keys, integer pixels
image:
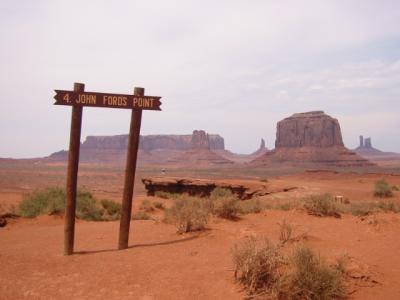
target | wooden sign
[
  {"x": 107, "y": 100},
  {"x": 78, "y": 98}
]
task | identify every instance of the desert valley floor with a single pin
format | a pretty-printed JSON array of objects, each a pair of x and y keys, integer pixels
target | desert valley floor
[{"x": 161, "y": 264}]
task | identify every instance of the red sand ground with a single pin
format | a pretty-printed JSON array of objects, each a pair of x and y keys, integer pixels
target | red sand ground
[{"x": 160, "y": 264}]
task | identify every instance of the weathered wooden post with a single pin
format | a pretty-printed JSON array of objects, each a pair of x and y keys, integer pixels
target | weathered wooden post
[
  {"x": 77, "y": 99},
  {"x": 72, "y": 174},
  {"x": 130, "y": 170}
]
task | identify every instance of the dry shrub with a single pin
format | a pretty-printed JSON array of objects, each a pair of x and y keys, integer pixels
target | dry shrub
[
  {"x": 158, "y": 204},
  {"x": 264, "y": 271},
  {"x": 166, "y": 195},
  {"x": 285, "y": 231},
  {"x": 225, "y": 204},
  {"x": 141, "y": 215},
  {"x": 146, "y": 206},
  {"x": 322, "y": 205},
  {"x": 256, "y": 265},
  {"x": 310, "y": 277},
  {"x": 382, "y": 189},
  {"x": 189, "y": 214},
  {"x": 250, "y": 206}
]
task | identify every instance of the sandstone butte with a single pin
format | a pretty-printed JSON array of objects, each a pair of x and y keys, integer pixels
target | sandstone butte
[{"x": 311, "y": 138}]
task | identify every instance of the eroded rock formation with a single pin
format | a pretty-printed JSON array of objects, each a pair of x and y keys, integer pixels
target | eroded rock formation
[
  {"x": 311, "y": 129},
  {"x": 311, "y": 138},
  {"x": 200, "y": 140},
  {"x": 203, "y": 187}
]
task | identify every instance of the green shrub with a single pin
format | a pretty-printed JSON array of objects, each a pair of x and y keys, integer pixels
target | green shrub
[
  {"x": 264, "y": 180},
  {"x": 189, "y": 214},
  {"x": 256, "y": 265},
  {"x": 141, "y": 215},
  {"x": 49, "y": 201},
  {"x": 382, "y": 189},
  {"x": 321, "y": 205},
  {"x": 310, "y": 277},
  {"x": 87, "y": 208},
  {"x": 52, "y": 201},
  {"x": 112, "y": 209}
]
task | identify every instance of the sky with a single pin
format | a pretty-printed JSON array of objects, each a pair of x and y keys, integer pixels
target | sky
[{"x": 234, "y": 68}]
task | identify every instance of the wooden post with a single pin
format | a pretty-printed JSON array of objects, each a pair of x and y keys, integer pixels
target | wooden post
[
  {"x": 130, "y": 170},
  {"x": 72, "y": 174}
]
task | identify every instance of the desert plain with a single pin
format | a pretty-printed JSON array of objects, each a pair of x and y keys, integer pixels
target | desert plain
[{"x": 162, "y": 264}]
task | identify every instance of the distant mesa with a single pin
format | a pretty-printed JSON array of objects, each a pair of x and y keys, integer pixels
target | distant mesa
[
  {"x": 311, "y": 138},
  {"x": 197, "y": 147}
]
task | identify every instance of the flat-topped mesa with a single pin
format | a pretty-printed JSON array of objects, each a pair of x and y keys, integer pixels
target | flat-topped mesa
[
  {"x": 152, "y": 142},
  {"x": 310, "y": 129},
  {"x": 311, "y": 138}
]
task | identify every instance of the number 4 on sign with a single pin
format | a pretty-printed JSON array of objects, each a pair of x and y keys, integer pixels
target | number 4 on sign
[{"x": 66, "y": 98}]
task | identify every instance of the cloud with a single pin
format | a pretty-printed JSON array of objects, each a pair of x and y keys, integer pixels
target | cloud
[{"x": 214, "y": 62}]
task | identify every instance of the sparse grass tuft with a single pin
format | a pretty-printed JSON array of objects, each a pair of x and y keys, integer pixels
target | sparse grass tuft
[
  {"x": 395, "y": 188},
  {"x": 310, "y": 277},
  {"x": 141, "y": 215},
  {"x": 389, "y": 206},
  {"x": 264, "y": 180},
  {"x": 256, "y": 265},
  {"x": 189, "y": 214},
  {"x": 166, "y": 195},
  {"x": 146, "y": 206},
  {"x": 382, "y": 189},
  {"x": 322, "y": 205},
  {"x": 361, "y": 209},
  {"x": 158, "y": 204},
  {"x": 219, "y": 192},
  {"x": 285, "y": 231},
  {"x": 250, "y": 206}
]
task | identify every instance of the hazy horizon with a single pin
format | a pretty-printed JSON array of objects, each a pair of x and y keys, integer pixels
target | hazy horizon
[{"x": 232, "y": 68}]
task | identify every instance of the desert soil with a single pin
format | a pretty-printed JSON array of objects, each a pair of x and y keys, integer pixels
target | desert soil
[{"x": 161, "y": 264}]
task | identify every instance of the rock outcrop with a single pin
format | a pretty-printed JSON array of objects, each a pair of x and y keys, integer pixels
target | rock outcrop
[
  {"x": 311, "y": 138},
  {"x": 365, "y": 148},
  {"x": 200, "y": 152},
  {"x": 203, "y": 187},
  {"x": 200, "y": 140}
]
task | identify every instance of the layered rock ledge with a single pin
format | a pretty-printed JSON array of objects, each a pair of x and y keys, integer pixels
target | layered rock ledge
[{"x": 203, "y": 187}]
